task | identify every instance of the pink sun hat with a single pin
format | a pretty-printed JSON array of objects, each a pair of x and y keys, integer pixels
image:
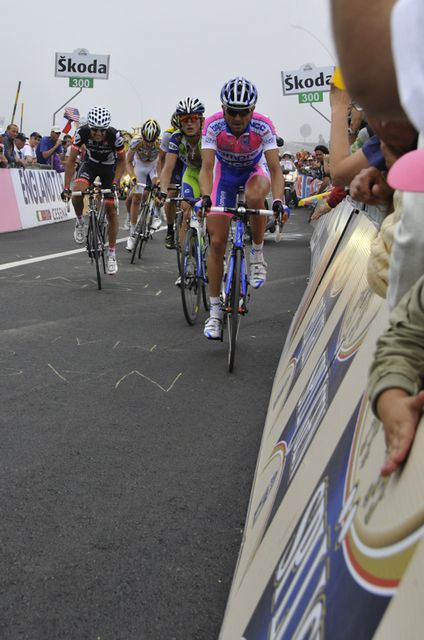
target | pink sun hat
[{"x": 407, "y": 173}]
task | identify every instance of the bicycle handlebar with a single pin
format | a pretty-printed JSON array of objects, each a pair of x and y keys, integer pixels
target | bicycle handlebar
[
  {"x": 96, "y": 190},
  {"x": 238, "y": 211}
]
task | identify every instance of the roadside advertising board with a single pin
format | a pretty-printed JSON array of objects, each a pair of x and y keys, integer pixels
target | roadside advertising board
[
  {"x": 330, "y": 549},
  {"x": 38, "y": 198}
]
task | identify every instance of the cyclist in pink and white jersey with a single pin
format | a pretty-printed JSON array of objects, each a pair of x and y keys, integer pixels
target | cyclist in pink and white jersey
[{"x": 239, "y": 148}]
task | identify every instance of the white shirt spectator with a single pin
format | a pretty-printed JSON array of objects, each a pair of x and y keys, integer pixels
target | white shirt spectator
[
  {"x": 29, "y": 153},
  {"x": 407, "y": 22}
]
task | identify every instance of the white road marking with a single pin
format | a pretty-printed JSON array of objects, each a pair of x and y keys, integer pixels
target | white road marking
[{"x": 52, "y": 256}]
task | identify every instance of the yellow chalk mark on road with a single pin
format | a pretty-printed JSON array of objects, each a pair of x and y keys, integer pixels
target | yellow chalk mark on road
[
  {"x": 138, "y": 373},
  {"x": 57, "y": 373}
]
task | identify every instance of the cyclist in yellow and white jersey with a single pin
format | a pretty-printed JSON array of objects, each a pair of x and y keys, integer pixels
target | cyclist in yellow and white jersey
[
  {"x": 142, "y": 160},
  {"x": 170, "y": 207}
]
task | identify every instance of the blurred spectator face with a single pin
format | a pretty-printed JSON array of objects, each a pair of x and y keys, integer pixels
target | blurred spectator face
[
  {"x": 20, "y": 141},
  {"x": 12, "y": 131},
  {"x": 319, "y": 155},
  {"x": 34, "y": 140},
  {"x": 399, "y": 136},
  {"x": 54, "y": 135}
]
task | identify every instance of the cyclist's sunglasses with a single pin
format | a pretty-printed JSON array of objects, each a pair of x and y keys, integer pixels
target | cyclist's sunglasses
[
  {"x": 101, "y": 129},
  {"x": 190, "y": 117},
  {"x": 237, "y": 112}
]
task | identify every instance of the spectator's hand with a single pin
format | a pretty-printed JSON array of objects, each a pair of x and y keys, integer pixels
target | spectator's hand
[
  {"x": 370, "y": 186},
  {"x": 339, "y": 98},
  {"x": 320, "y": 210},
  {"x": 66, "y": 195},
  {"x": 400, "y": 414}
]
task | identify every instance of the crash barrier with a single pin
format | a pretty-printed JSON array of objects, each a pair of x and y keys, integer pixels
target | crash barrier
[
  {"x": 31, "y": 198},
  {"x": 330, "y": 549}
]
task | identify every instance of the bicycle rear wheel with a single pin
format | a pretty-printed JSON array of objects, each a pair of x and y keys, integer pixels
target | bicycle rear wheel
[
  {"x": 233, "y": 316},
  {"x": 190, "y": 283},
  {"x": 205, "y": 294}
]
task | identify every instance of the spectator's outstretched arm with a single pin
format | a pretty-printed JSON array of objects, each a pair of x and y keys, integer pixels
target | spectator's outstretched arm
[
  {"x": 343, "y": 165},
  {"x": 396, "y": 376},
  {"x": 362, "y": 34}
]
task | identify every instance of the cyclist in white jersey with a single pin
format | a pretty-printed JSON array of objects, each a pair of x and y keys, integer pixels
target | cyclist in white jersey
[
  {"x": 170, "y": 207},
  {"x": 142, "y": 157},
  {"x": 239, "y": 148}
]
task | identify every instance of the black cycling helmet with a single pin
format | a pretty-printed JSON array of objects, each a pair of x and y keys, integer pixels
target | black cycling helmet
[{"x": 190, "y": 105}]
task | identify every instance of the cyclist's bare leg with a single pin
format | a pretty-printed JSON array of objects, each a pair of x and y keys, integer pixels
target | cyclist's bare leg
[
  {"x": 135, "y": 207},
  {"x": 171, "y": 207},
  {"x": 78, "y": 201},
  {"x": 113, "y": 223},
  {"x": 257, "y": 189},
  {"x": 218, "y": 227},
  {"x": 185, "y": 221}
]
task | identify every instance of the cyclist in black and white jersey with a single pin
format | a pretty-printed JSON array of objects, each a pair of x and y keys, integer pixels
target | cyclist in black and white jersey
[{"x": 104, "y": 157}]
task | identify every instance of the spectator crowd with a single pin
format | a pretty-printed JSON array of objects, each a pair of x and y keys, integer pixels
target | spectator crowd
[
  {"x": 36, "y": 152},
  {"x": 376, "y": 156}
]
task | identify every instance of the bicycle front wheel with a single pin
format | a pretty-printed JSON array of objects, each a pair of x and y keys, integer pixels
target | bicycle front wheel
[
  {"x": 93, "y": 246},
  {"x": 140, "y": 232},
  {"x": 190, "y": 282},
  {"x": 177, "y": 227},
  {"x": 233, "y": 317}
]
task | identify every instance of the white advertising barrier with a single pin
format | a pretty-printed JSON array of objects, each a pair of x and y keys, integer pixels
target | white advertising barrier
[
  {"x": 331, "y": 549},
  {"x": 38, "y": 198}
]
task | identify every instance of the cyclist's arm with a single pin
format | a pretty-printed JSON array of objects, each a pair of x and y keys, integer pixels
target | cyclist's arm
[
  {"x": 120, "y": 167},
  {"x": 70, "y": 166},
  {"x": 161, "y": 161},
  {"x": 206, "y": 172},
  {"x": 166, "y": 173},
  {"x": 129, "y": 162},
  {"x": 277, "y": 178}
]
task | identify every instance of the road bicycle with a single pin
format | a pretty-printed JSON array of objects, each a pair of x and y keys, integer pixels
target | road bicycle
[
  {"x": 192, "y": 262},
  {"x": 235, "y": 284},
  {"x": 97, "y": 227},
  {"x": 144, "y": 230}
]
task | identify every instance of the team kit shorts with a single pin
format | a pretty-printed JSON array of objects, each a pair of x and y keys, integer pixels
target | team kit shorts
[
  {"x": 89, "y": 171},
  {"x": 145, "y": 173},
  {"x": 228, "y": 179}
]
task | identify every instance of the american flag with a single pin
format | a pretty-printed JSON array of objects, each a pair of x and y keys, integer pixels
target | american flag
[{"x": 72, "y": 114}]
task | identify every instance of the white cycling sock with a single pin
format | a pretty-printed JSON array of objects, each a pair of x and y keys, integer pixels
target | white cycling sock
[
  {"x": 132, "y": 228},
  {"x": 256, "y": 254},
  {"x": 215, "y": 305}
]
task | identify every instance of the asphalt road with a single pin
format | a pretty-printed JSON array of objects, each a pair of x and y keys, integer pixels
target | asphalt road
[{"x": 127, "y": 450}]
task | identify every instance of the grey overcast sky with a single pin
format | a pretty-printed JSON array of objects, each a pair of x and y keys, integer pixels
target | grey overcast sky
[{"x": 160, "y": 52}]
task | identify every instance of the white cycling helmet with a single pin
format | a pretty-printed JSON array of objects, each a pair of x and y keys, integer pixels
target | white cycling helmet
[
  {"x": 150, "y": 130},
  {"x": 190, "y": 105},
  {"x": 99, "y": 117},
  {"x": 239, "y": 93}
]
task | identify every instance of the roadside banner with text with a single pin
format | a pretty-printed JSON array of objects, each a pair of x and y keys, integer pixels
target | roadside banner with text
[{"x": 38, "y": 198}]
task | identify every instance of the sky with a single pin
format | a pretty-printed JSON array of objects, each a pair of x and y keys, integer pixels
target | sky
[{"x": 161, "y": 52}]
